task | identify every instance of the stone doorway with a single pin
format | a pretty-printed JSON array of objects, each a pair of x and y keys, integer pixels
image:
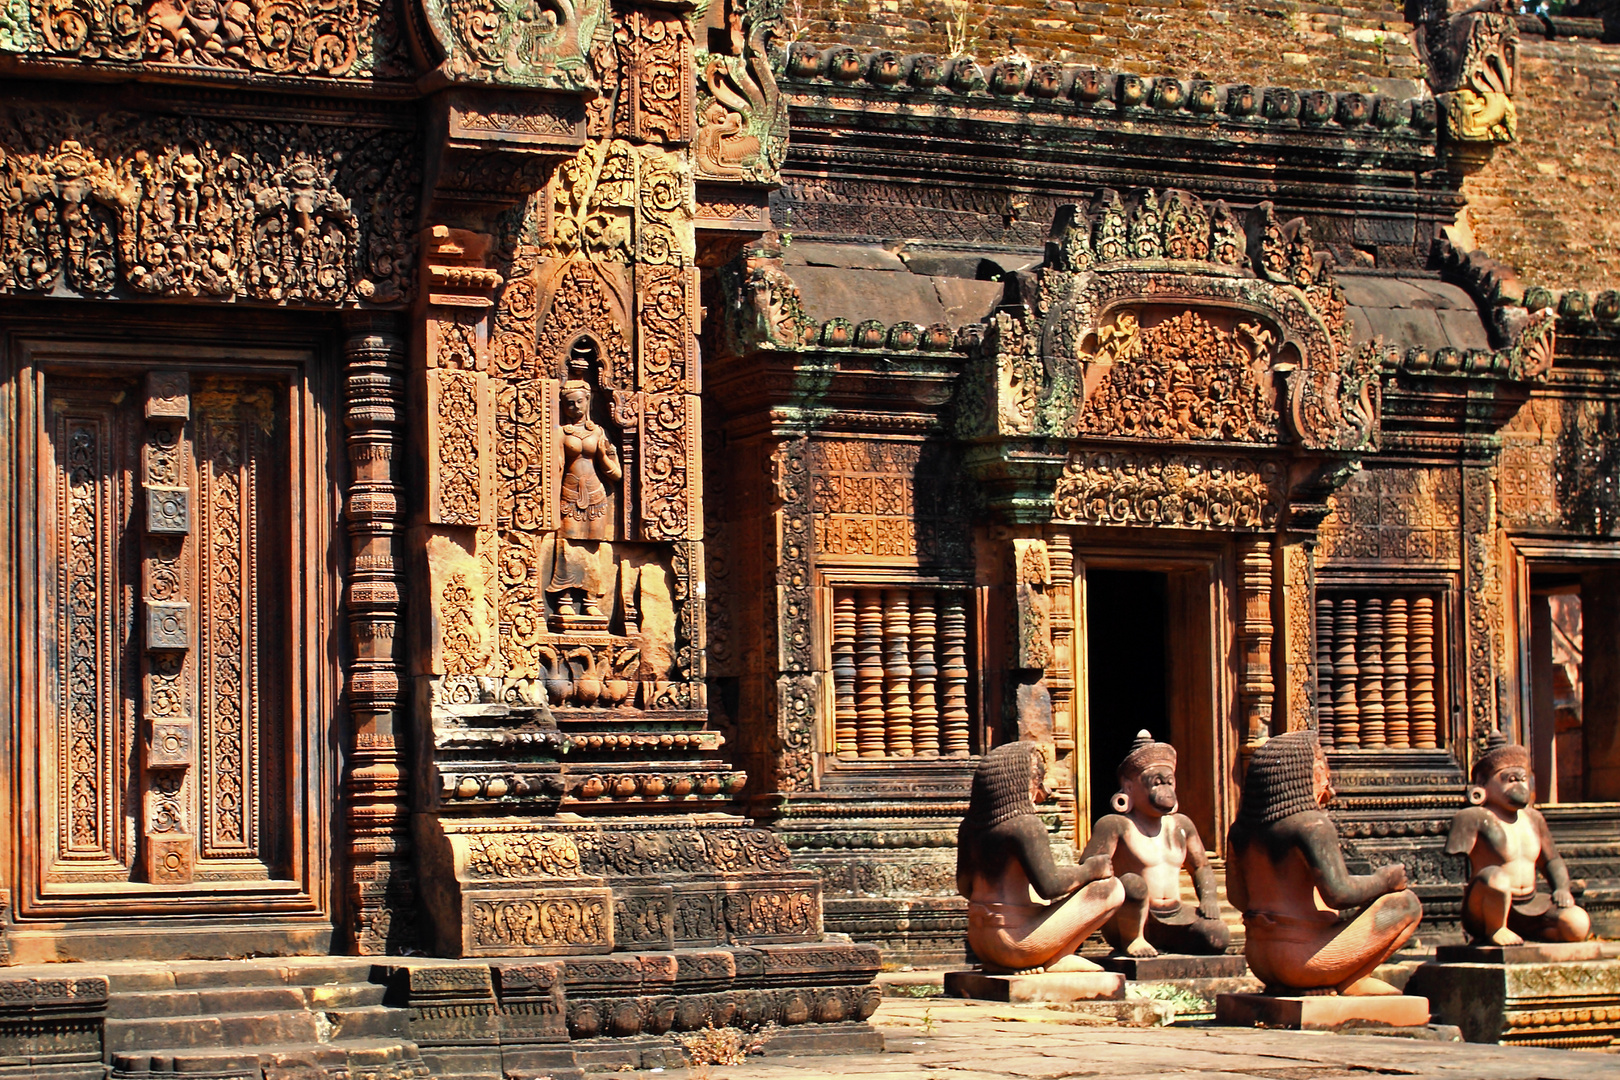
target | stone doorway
[
  {"x": 168, "y": 752},
  {"x": 1150, "y": 631}
]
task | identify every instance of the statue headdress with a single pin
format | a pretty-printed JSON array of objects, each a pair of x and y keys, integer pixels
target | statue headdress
[
  {"x": 1279, "y": 780},
  {"x": 1001, "y": 784},
  {"x": 1499, "y": 754},
  {"x": 1144, "y": 752}
]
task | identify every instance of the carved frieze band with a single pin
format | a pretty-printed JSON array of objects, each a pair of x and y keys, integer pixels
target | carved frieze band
[
  {"x": 1184, "y": 491},
  {"x": 323, "y": 38},
  {"x": 160, "y": 206}
]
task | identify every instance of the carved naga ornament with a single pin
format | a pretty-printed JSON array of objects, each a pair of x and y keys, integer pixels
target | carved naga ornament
[
  {"x": 1183, "y": 352},
  {"x": 535, "y": 44}
]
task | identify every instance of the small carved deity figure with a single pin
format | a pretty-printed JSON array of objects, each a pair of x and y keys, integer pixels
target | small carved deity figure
[
  {"x": 1312, "y": 926},
  {"x": 1003, "y": 851},
  {"x": 1149, "y": 844},
  {"x": 1507, "y": 841},
  {"x": 590, "y": 462}
]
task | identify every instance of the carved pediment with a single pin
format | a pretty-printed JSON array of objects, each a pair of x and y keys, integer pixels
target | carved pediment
[
  {"x": 1163, "y": 319},
  {"x": 1178, "y": 376}
]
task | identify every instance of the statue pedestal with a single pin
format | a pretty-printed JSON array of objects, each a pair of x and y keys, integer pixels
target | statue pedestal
[
  {"x": 1168, "y": 966},
  {"x": 1513, "y": 998},
  {"x": 1531, "y": 952},
  {"x": 1045, "y": 987},
  {"x": 1320, "y": 1012}
]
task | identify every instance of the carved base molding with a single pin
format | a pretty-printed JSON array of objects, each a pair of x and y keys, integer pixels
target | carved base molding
[{"x": 1571, "y": 1006}]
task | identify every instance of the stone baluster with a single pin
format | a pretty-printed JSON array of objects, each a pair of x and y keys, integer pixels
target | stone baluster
[
  {"x": 924, "y": 674},
  {"x": 1397, "y": 718},
  {"x": 1324, "y": 671},
  {"x": 1346, "y": 710},
  {"x": 1370, "y": 684},
  {"x": 1420, "y": 636},
  {"x": 897, "y": 672},
  {"x": 843, "y": 673},
  {"x": 954, "y": 714},
  {"x": 869, "y": 733}
]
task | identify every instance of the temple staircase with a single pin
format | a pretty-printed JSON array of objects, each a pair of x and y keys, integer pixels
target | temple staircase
[{"x": 316, "y": 1018}]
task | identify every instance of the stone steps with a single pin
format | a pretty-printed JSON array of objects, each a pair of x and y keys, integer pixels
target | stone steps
[
  {"x": 374, "y": 1059},
  {"x": 310, "y": 1018}
]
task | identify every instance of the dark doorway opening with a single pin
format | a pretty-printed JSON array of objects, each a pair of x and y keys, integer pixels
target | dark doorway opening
[{"x": 1128, "y": 669}]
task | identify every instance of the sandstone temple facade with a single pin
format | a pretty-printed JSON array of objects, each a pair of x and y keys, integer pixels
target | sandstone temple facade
[{"x": 575, "y": 485}]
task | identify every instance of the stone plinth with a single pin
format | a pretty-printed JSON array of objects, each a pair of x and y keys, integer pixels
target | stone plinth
[
  {"x": 1177, "y": 966},
  {"x": 52, "y": 1026},
  {"x": 1046, "y": 987},
  {"x": 1320, "y": 1012},
  {"x": 1572, "y": 1005},
  {"x": 1531, "y": 952}
]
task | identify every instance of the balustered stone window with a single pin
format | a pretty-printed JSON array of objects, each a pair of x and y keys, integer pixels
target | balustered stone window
[
  {"x": 1380, "y": 669},
  {"x": 900, "y": 671}
]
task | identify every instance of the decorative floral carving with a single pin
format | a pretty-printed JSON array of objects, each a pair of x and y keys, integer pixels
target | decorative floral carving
[
  {"x": 668, "y": 435},
  {"x": 550, "y": 923},
  {"x": 196, "y": 208},
  {"x": 1173, "y": 490}
]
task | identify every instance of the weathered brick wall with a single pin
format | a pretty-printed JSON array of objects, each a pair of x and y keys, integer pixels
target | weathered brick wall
[
  {"x": 1547, "y": 204},
  {"x": 1275, "y": 42}
]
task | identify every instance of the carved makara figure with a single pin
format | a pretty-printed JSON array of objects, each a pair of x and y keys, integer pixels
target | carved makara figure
[
  {"x": 1507, "y": 842},
  {"x": 580, "y": 577},
  {"x": 1002, "y": 851},
  {"x": 1149, "y": 844},
  {"x": 1311, "y": 925}
]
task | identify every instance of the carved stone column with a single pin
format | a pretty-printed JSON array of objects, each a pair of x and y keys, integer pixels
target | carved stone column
[
  {"x": 1256, "y": 687},
  {"x": 383, "y": 897}
]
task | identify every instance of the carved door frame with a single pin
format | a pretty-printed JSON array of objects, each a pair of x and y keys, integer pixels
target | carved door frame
[
  {"x": 1206, "y": 561},
  {"x": 292, "y": 903},
  {"x": 1526, "y": 556}
]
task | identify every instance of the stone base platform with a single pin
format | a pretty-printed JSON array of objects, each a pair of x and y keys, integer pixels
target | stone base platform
[
  {"x": 1061, "y": 986},
  {"x": 1531, "y": 952},
  {"x": 1171, "y": 966},
  {"x": 1321, "y": 1012},
  {"x": 1571, "y": 1005}
]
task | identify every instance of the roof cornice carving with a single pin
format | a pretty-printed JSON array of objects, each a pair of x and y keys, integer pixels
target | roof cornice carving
[{"x": 1074, "y": 91}]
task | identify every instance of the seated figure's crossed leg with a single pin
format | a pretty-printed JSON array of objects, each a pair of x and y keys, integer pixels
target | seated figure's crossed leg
[
  {"x": 1051, "y": 935},
  {"x": 1337, "y": 956}
]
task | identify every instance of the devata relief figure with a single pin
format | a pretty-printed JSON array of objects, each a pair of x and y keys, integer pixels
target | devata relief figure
[
  {"x": 581, "y": 569},
  {"x": 1285, "y": 868},
  {"x": 1149, "y": 843},
  {"x": 1506, "y": 841},
  {"x": 1002, "y": 850}
]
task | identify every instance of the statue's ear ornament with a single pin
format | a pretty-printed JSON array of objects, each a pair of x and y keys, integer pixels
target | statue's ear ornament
[
  {"x": 1121, "y": 803},
  {"x": 1476, "y": 796}
]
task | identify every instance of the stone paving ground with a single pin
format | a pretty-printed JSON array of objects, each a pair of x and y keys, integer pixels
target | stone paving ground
[{"x": 959, "y": 1040}]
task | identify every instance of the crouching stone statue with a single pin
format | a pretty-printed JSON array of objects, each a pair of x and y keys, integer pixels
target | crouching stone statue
[
  {"x": 1312, "y": 927},
  {"x": 1002, "y": 851},
  {"x": 1507, "y": 841},
  {"x": 1149, "y": 844}
]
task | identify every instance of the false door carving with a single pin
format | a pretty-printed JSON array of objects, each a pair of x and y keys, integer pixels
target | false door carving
[{"x": 170, "y": 583}]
